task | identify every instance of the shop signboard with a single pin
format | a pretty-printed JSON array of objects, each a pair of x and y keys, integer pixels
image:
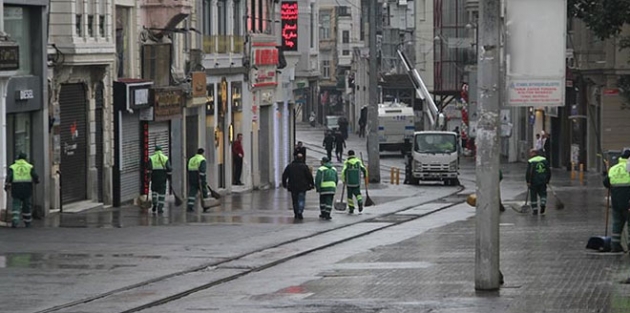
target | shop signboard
[
  {"x": 199, "y": 91},
  {"x": 264, "y": 59},
  {"x": 9, "y": 56},
  {"x": 167, "y": 103}
]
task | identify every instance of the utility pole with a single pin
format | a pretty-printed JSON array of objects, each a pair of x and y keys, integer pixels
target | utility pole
[
  {"x": 487, "y": 141},
  {"x": 374, "y": 162}
]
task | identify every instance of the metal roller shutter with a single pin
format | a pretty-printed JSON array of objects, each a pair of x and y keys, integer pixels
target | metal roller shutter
[
  {"x": 130, "y": 175},
  {"x": 159, "y": 135},
  {"x": 98, "y": 116},
  {"x": 73, "y": 125}
]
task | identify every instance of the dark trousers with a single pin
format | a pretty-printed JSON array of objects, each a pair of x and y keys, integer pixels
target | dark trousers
[
  {"x": 620, "y": 196},
  {"x": 538, "y": 191},
  {"x": 298, "y": 198},
  {"x": 339, "y": 154},
  {"x": 238, "y": 169},
  {"x": 362, "y": 131},
  {"x": 329, "y": 154}
]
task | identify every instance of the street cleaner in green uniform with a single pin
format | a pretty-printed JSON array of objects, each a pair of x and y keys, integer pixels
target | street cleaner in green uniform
[
  {"x": 326, "y": 185},
  {"x": 196, "y": 179},
  {"x": 160, "y": 171},
  {"x": 618, "y": 180},
  {"x": 20, "y": 179},
  {"x": 537, "y": 177},
  {"x": 351, "y": 176}
]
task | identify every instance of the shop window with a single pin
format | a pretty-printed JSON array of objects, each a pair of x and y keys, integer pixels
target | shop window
[
  {"x": 17, "y": 23},
  {"x": 19, "y": 135},
  {"x": 237, "y": 104}
]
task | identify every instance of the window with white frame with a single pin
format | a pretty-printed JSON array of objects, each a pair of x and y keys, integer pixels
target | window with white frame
[
  {"x": 222, "y": 10},
  {"x": 207, "y": 17},
  {"x": 312, "y": 25},
  {"x": 345, "y": 36},
  {"x": 78, "y": 19},
  {"x": 238, "y": 18},
  {"x": 326, "y": 68},
  {"x": 324, "y": 25}
]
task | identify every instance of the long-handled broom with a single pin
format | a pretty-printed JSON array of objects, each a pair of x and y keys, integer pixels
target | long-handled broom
[{"x": 368, "y": 200}]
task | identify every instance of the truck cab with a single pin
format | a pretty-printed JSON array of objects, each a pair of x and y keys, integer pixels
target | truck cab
[{"x": 434, "y": 157}]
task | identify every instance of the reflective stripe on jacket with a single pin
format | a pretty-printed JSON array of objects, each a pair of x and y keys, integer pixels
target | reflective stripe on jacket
[{"x": 326, "y": 179}]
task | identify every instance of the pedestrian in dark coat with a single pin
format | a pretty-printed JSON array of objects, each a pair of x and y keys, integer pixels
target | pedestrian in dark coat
[
  {"x": 340, "y": 143},
  {"x": 299, "y": 149},
  {"x": 329, "y": 143},
  {"x": 20, "y": 179},
  {"x": 618, "y": 180},
  {"x": 298, "y": 179},
  {"x": 537, "y": 177}
]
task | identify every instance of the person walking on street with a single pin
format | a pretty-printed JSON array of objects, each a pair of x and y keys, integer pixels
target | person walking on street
[
  {"x": 329, "y": 142},
  {"x": 20, "y": 179},
  {"x": 351, "y": 176},
  {"x": 159, "y": 168},
  {"x": 326, "y": 185},
  {"x": 196, "y": 179},
  {"x": 298, "y": 179},
  {"x": 343, "y": 126},
  {"x": 362, "y": 124},
  {"x": 299, "y": 149},
  {"x": 539, "y": 142},
  {"x": 546, "y": 144},
  {"x": 237, "y": 156},
  {"x": 340, "y": 143},
  {"x": 537, "y": 176},
  {"x": 618, "y": 180}
]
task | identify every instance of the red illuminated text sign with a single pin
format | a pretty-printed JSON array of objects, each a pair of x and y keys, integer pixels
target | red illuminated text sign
[
  {"x": 289, "y": 18},
  {"x": 266, "y": 57},
  {"x": 145, "y": 156}
]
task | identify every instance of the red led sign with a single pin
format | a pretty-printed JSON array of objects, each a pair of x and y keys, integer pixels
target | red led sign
[{"x": 289, "y": 19}]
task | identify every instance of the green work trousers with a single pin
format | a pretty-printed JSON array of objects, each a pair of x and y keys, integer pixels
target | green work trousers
[
  {"x": 356, "y": 193},
  {"x": 193, "y": 190},
  {"x": 158, "y": 196},
  {"x": 326, "y": 202},
  {"x": 536, "y": 192},
  {"x": 23, "y": 206}
]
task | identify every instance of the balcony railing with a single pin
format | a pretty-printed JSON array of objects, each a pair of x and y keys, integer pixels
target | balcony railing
[{"x": 223, "y": 44}]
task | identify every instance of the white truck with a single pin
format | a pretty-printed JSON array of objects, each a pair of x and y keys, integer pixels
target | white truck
[
  {"x": 395, "y": 126},
  {"x": 434, "y": 154}
]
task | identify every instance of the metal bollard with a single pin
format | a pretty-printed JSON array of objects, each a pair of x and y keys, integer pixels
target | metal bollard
[
  {"x": 391, "y": 175},
  {"x": 582, "y": 173},
  {"x": 572, "y": 170},
  {"x": 397, "y": 176}
]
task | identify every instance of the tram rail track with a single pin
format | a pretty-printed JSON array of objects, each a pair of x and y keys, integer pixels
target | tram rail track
[{"x": 242, "y": 266}]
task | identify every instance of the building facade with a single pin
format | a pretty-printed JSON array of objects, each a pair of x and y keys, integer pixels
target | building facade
[
  {"x": 80, "y": 83},
  {"x": 339, "y": 36},
  {"x": 24, "y": 85}
]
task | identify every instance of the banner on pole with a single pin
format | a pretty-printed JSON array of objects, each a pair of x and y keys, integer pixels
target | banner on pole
[{"x": 536, "y": 52}]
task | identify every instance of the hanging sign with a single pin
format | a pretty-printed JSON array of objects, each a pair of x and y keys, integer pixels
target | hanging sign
[{"x": 289, "y": 22}]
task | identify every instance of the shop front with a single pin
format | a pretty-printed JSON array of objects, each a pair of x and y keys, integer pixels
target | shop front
[
  {"x": 132, "y": 105},
  {"x": 167, "y": 104},
  {"x": 224, "y": 120}
]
